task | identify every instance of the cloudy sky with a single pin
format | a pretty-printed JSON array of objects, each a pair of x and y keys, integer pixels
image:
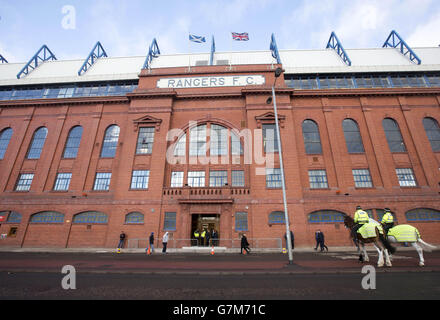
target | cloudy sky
[{"x": 70, "y": 28}]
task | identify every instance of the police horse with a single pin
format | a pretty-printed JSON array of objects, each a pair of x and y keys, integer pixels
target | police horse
[
  {"x": 375, "y": 236},
  {"x": 405, "y": 233}
]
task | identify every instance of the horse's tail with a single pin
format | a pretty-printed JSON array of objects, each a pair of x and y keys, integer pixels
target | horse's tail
[
  {"x": 387, "y": 244},
  {"x": 428, "y": 247}
]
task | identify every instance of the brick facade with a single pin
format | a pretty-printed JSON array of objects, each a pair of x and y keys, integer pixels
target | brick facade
[{"x": 235, "y": 108}]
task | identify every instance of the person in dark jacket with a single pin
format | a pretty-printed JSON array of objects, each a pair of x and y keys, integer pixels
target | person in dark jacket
[
  {"x": 214, "y": 238},
  {"x": 244, "y": 245},
  {"x": 320, "y": 240},
  {"x": 292, "y": 239},
  {"x": 151, "y": 241},
  {"x": 121, "y": 240}
]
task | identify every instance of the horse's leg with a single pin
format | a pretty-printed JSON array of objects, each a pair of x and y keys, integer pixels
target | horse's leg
[
  {"x": 391, "y": 239},
  {"x": 380, "y": 251},
  {"x": 420, "y": 252},
  {"x": 387, "y": 258},
  {"x": 364, "y": 250}
]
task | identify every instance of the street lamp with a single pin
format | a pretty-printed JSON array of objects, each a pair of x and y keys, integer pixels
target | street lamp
[{"x": 278, "y": 72}]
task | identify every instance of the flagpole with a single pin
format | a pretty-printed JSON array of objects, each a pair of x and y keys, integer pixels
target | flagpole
[
  {"x": 189, "y": 49},
  {"x": 230, "y": 52}
]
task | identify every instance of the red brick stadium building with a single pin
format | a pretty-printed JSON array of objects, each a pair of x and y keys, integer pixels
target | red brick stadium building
[{"x": 173, "y": 147}]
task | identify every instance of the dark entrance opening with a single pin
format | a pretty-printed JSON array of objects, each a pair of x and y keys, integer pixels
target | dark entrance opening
[{"x": 208, "y": 223}]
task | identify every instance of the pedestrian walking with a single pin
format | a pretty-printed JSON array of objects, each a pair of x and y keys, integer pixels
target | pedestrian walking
[
  {"x": 320, "y": 240},
  {"x": 244, "y": 245},
  {"x": 121, "y": 240},
  {"x": 164, "y": 242},
  {"x": 151, "y": 242},
  {"x": 292, "y": 239}
]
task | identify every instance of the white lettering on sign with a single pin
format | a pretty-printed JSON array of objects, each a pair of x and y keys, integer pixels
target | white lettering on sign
[{"x": 207, "y": 82}]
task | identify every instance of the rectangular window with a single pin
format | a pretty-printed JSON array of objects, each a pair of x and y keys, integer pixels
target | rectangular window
[
  {"x": 24, "y": 182},
  {"x": 241, "y": 221},
  {"x": 362, "y": 178},
  {"x": 169, "y": 223},
  {"x": 237, "y": 178},
  {"x": 270, "y": 140},
  {"x": 196, "y": 179},
  {"x": 139, "y": 179},
  {"x": 145, "y": 141},
  {"x": 102, "y": 181},
  {"x": 177, "y": 179},
  {"x": 273, "y": 178},
  {"x": 406, "y": 177},
  {"x": 218, "y": 178},
  {"x": 62, "y": 182},
  {"x": 318, "y": 179}
]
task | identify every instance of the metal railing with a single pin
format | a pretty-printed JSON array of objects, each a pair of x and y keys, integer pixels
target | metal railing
[{"x": 255, "y": 243}]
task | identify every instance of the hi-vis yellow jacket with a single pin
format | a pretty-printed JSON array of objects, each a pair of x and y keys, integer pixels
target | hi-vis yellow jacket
[
  {"x": 361, "y": 217},
  {"x": 387, "y": 218}
]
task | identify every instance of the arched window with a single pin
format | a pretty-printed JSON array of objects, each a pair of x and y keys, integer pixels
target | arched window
[
  {"x": 277, "y": 217},
  {"x": 11, "y": 216},
  {"x": 433, "y": 132},
  {"x": 110, "y": 142},
  {"x": 5, "y": 137},
  {"x": 423, "y": 214},
  {"x": 47, "y": 217},
  {"x": 326, "y": 216},
  {"x": 73, "y": 142},
  {"x": 219, "y": 140},
  {"x": 379, "y": 214},
  {"x": 393, "y": 135},
  {"x": 180, "y": 148},
  {"x": 91, "y": 217},
  {"x": 134, "y": 218},
  {"x": 352, "y": 136},
  {"x": 197, "y": 141},
  {"x": 37, "y": 143},
  {"x": 312, "y": 139},
  {"x": 236, "y": 147}
]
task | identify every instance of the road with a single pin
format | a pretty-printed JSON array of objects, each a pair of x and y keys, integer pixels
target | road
[{"x": 184, "y": 277}]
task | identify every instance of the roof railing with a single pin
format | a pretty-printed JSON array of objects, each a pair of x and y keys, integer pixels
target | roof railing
[
  {"x": 96, "y": 53},
  {"x": 394, "y": 40},
  {"x": 335, "y": 44},
  {"x": 42, "y": 55},
  {"x": 153, "y": 52}
]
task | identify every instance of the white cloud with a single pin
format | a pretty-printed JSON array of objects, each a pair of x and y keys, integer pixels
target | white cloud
[{"x": 427, "y": 34}]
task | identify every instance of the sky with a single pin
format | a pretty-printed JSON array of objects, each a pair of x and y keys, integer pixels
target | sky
[{"x": 70, "y": 28}]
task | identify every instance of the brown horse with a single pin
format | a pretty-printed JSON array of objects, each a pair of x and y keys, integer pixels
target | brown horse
[{"x": 380, "y": 243}]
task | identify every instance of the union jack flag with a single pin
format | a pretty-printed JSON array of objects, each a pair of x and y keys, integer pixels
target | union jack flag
[{"x": 240, "y": 36}]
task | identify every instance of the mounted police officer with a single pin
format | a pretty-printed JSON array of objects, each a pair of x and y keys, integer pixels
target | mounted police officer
[
  {"x": 360, "y": 218},
  {"x": 387, "y": 220}
]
